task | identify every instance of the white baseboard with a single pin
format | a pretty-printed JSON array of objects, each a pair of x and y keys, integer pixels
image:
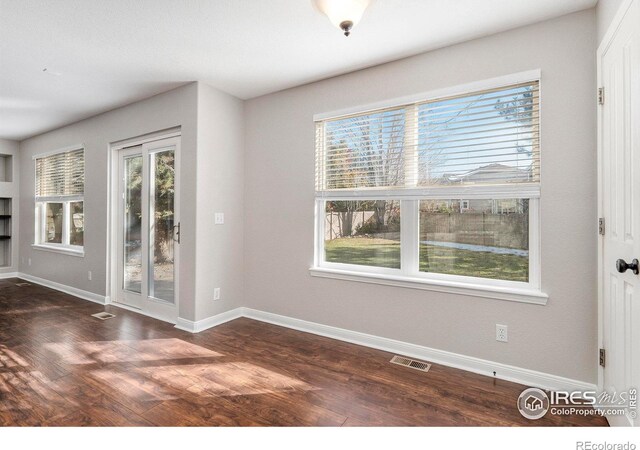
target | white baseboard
[
  {"x": 526, "y": 377},
  {"x": 96, "y": 298},
  {"x": 4, "y": 276},
  {"x": 209, "y": 322},
  {"x": 506, "y": 372}
]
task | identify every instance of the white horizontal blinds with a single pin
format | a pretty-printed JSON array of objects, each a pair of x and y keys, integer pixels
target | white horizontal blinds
[
  {"x": 60, "y": 175},
  {"x": 489, "y": 137},
  {"x": 362, "y": 151}
]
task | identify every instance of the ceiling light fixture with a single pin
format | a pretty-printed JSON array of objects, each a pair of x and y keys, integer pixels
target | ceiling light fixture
[{"x": 344, "y": 14}]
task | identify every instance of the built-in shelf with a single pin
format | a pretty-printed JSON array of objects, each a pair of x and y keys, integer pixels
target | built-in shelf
[
  {"x": 5, "y": 222},
  {"x": 6, "y": 168}
]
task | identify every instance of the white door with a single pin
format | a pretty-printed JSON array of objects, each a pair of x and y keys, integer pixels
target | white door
[
  {"x": 619, "y": 117},
  {"x": 149, "y": 228}
]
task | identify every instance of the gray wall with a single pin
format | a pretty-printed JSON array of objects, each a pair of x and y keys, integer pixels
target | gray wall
[
  {"x": 211, "y": 181},
  {"x": 220, "y": 173},
  {"x": 605, "y": 12},
  {"x": 276, "y": 171},
  {"x": 171, "y": 109},
  {"x": 11, "y": 190},
  {"x": 558, "y": 338}
]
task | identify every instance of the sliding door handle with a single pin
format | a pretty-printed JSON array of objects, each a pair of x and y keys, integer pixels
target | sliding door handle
[{"x": 176, "y": 233}]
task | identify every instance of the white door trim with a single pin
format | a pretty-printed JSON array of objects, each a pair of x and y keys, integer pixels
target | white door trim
[
  {"x": 613, "y": 28},
  {"x": 604, "y": 45},
  {"x": 113, "y": 213},
  {"x": 621, "y": 24}
]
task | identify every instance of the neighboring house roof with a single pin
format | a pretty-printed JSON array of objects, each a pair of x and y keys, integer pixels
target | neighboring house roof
[{"x": 488, "y": 173}]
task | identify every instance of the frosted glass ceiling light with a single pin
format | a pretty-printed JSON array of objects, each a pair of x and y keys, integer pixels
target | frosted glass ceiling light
[{"x": 344, "y": 14}]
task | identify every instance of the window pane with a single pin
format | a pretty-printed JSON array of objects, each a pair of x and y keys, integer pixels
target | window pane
[
  {"x": 488, "y": 137},
  {"x": 76, "y": 231},
  {"x": 363, "y": 232},
  {"x": 475, "y": 238},
  {"x": 60, "y": 174},
  {"x": 53, "y": 226},
  {"x": 364, "y": 151},
  {"x": 161, "y": 206},
  {"x": 483, "y": 138},
  {"x": 132, "y": 245}
]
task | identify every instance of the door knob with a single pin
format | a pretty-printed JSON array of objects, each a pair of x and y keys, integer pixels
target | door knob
[{"x": 622, "y": 266}]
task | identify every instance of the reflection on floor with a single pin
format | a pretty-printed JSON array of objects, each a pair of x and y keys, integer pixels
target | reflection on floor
[{"x": 60, "y": 366}]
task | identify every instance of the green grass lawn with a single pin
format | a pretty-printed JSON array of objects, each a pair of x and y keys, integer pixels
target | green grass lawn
[{"x": 386, "y": 253}]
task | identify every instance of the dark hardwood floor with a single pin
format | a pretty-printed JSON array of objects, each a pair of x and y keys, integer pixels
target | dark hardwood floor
[{"x": 61, "y": 367}]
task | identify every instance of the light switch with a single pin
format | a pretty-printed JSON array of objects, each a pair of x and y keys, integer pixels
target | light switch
[{"x": 219, "y": 218}]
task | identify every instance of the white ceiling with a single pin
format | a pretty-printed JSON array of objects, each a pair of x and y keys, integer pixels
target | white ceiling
[{"x": 101, "y": 54}]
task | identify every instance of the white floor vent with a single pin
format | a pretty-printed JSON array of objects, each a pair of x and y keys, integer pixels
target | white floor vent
[
  {"x": 103, "y": 315},
  {"x": 411, "y": 363}
]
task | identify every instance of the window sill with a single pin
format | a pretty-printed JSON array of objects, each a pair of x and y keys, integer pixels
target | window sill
[
  {"x": 61, "y": 250},
  {"x": 492, "y": 292}
]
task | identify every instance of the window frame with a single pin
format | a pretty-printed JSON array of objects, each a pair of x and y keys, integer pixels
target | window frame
[
  {"x": 40, "y": 215},
  {"x": 409, "y": 274}
]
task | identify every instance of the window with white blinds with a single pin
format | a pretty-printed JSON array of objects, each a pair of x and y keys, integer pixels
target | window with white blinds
[
  {"x": 60, "y": 175},
  {"x": 486, "y": 137},
  {"x": 440, "y": 191},
  {"x": 59, "y": 201}
]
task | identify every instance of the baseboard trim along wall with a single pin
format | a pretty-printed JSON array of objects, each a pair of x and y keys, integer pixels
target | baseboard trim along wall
[
  {"x": 4, "y": 276},
  {"x": 476, "y": 365},
  {"x": 209, "y": 322},
  {"x": 506, "y": 372},
  {"x": 85, "y": 295}
]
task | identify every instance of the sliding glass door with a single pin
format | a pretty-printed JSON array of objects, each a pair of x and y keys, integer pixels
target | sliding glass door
[{"x": 149, "y": 228}]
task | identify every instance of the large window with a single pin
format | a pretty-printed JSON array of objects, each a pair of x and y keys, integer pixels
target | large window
[
  {"x": 59, "y": 201},
  {"x": 441, "y": 192}
]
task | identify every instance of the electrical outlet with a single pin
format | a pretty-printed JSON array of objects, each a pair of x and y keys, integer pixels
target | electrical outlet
[
  {"x": 29, "y": 261},
  {"x": 216, "y": 293},
  {"x": 218, "y": 218},
  {"x": 89, "y": 275},
  {"x": 501, "y": 333}
]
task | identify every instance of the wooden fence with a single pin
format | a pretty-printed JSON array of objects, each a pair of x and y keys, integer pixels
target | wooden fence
[{"x": 495, "y": 230}]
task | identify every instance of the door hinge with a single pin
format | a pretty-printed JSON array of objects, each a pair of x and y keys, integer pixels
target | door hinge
[
  {"x": 601, "y": 96},
  {"x": 601, "y": 226},
  {"x": 603, "y": 357}
]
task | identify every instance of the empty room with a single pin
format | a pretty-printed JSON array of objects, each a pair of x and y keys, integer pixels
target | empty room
[{"x": 326, "y": 214}]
